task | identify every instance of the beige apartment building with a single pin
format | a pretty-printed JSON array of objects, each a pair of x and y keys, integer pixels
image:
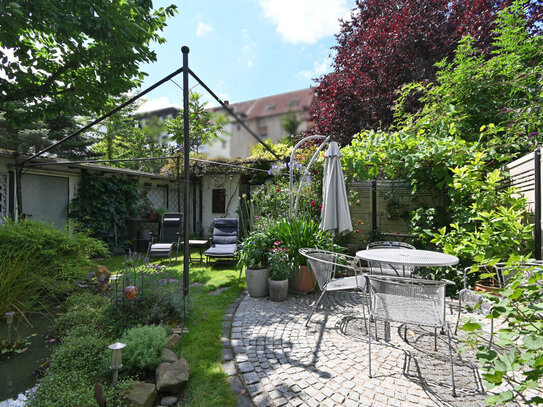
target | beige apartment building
[{"x": 263, "y": 116}]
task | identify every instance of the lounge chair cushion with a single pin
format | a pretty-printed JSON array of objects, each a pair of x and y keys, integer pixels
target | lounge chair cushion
[{"x": 222, "y": 250}]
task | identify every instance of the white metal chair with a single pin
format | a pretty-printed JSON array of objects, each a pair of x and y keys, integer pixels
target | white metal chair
[
  {"x": 329, "y": 268},
  {"x": 408, "y": 301},
  {"x": 388, "y": 269}
]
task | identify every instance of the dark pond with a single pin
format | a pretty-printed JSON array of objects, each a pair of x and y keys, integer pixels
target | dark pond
[{"x": 16, "y": 373}]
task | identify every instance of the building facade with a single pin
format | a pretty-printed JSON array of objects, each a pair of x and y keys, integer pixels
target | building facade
[{"x": 263, "y": 116}]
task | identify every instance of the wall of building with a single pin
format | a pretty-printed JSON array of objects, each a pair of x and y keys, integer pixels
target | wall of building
[{"x": 230, "y": 183}]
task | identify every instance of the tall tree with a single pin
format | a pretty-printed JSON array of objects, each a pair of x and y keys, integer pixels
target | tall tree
[
  {"x": 388, "y": 43},
  {"x": 68, "y": 59},
  {"x": 123, "y": 136},
  {"x": 203, "y": 124}
]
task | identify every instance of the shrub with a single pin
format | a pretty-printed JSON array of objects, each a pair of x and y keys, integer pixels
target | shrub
[
  {"x": 80, "y": 359},
  {"x": 143, "y": 347},
  {"x": 160, "y": 300},
  {"x": 85, "y": 312},
  {"x": 38, "y": 261}
]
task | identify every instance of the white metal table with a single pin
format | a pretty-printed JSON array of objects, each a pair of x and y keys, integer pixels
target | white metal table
[{"x": 406, "y": 257}]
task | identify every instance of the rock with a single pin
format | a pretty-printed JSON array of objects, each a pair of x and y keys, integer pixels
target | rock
[
  {"x": 172, "y": 377},
  {"x": 174, "y": 341},
  {"x": 168, "y": 355},
  {"x": 168, "y": 401},
  {"x": 141, "y": 395}
]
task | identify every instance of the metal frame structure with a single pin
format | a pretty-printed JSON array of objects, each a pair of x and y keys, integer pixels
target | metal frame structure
[
  {"x": 186, "y": 71},
  {"x": 306, "y": 171}
]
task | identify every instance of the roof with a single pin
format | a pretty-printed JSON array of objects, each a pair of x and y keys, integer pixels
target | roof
[
  {"x": 282, "y": 103},
  {"x": 56, "y": 162}
]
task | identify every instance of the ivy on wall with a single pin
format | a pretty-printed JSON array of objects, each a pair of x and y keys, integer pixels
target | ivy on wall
[{"x": 102, "y": 206}]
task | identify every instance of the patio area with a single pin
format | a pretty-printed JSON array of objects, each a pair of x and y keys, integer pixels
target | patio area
[{"x": 284, "y": 363}]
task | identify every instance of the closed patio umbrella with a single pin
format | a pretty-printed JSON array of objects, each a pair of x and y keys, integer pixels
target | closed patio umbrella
[{"x": 335, "y": 215}]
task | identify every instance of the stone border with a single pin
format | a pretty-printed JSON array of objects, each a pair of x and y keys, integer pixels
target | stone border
[{"x": 229, "y": 363}]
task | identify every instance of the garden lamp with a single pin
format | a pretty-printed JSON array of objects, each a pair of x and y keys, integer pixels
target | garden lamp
[
  {"x": 9, "y": 319},
  {"x": 116, "y": 351}
]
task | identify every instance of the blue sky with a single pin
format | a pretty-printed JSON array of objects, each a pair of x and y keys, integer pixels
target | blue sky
[{"x": 246, "y": 49}]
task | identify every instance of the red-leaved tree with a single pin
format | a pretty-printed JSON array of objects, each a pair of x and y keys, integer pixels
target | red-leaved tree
[{"x": 388, "y": 43}]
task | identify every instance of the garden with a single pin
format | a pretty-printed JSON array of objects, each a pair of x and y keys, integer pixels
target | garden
[{"x": 89, "y": 327}]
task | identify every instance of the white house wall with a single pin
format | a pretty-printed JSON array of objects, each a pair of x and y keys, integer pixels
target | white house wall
[{"x": 229, "y": 182}]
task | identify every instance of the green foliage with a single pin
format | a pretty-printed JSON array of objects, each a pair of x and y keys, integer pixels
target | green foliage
[
  {"x": 254, "y": 249},
  {"x": 282, "y": 149},
  {"x": 85, "y": 312},
  {"x": 204, "y": 126},
  {"x": 143, "y": 347},
  {"x": 517, "y": 357},
  {"x": 480, "y": 113},
  {"x": 68, "y": 59},
  {"x": 102, "y": 206},
  {"x": 81, "y": 358},
  {"x": 298, "y": 233},
  {"x": 119, "y": 137},
  {"x": 290, "y": 123},
  {"x": 160, "y": 300},
  {"x": 489, "y": 221},
  {"x": 39, "y": 262}
]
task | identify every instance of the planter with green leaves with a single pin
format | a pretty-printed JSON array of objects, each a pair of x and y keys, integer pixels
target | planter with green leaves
[
  {"x": 295, "y": 234},
  {"x": 280, "y": 266},
  {"x": 254, "y": 256}
]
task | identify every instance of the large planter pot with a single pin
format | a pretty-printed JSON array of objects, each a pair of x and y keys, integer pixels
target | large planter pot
[
  {"x": 278, "y": 290},
  {"x": 257, "y": 282},
  {"x": 303, "y": 280}
]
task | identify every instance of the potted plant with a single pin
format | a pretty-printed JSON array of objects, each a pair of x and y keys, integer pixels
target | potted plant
[
  {"x": 253, "y": 254},
  {"x": 295, "y": 234},
  {"x": 280, "y": 267}
]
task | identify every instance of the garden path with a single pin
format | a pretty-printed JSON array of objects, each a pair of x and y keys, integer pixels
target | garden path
[{"x": 281, "y": 362}]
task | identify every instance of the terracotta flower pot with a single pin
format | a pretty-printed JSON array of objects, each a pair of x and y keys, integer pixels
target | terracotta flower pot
[{"x": 303, "y": 280}]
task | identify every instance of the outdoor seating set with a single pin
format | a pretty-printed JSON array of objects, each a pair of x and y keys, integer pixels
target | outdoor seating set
[
  {"x": 391, "y": 290},
  {"x": 223, "y": 243}
]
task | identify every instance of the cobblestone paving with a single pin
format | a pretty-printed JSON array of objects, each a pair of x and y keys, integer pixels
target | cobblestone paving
[{"x": 281, "y": 362}]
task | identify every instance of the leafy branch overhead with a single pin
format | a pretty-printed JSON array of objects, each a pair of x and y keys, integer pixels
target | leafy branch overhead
[{"x": 70, "y": 58}]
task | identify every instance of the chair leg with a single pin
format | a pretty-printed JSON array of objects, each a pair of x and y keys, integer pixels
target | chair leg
[
  {"x": 459, "y": 310},
  {"x": 491, "y": 333},
  {"x": 435, "y": 338},
  {"x": 315, "y": 308},
  {"x": 452, "y": 359},
  {"x": 369, "y": 346}
]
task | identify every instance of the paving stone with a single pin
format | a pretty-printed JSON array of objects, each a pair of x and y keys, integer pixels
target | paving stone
[{"x": 283, "y": 362}]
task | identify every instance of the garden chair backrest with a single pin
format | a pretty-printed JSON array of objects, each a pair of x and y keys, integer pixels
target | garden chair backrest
[
  {"x": 407, "y": 300},
  {"x": 170, "y": 229},
  {"x": 225, "y": 231}
]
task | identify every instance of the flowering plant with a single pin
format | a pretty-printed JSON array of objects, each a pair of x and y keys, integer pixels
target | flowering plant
[{"x": 280, "y": 264}]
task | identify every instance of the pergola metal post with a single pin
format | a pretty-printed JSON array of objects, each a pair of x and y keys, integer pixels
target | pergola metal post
[
  {"x": 537, "y": 209},
  {"x": 186, "y": 185}
]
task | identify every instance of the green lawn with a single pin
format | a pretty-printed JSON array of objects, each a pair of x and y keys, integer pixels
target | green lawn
[{"x": 208, "y": 385}]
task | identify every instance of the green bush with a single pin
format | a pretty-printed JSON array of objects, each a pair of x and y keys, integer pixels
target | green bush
[
  {"x": 143, "y": 347},
  {"x": 81, "y": 359},
  {"x": 38, "y": 261},
  {"x": 160, "y": 300},
  {"x": 85, "y": 312},
  {"x": 103, "y": 204}
]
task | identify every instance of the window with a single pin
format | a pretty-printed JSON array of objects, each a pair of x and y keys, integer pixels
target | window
[
  {"x": 219, "y": 201},
  {"x": 293, "y": 103},
  {"x": 223, "y": 144},
  {"x": 270, "y": 106}
]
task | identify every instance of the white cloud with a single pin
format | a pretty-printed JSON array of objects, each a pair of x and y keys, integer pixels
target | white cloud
[
  {"x": 203, "y": 29},
  {"x": 247, "y": 54},
  {"x": 319, "y": 68},
  {"x": 305, "y": 21},
  {"x": 156, "y": 104}
]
